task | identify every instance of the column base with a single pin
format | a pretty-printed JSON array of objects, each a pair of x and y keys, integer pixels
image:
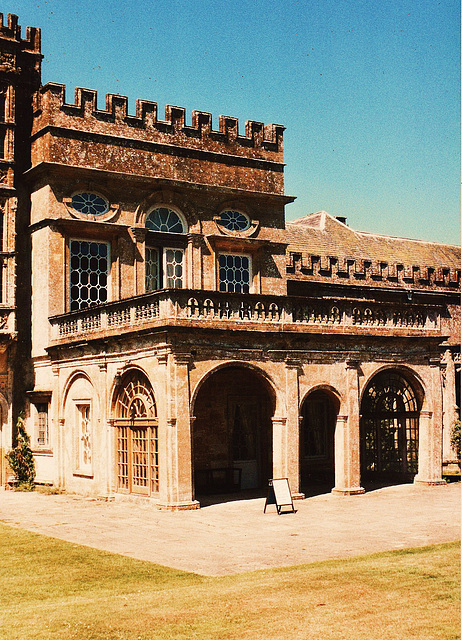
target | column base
[
  {"x": 430, "y": 483},
  {"x": 187, "y": 505},
  {"x": 351, "y": 491},
  {"x": 298, "y": 496}
]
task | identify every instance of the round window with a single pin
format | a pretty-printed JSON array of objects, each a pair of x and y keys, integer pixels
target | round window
[
  {"x": 234, "y": 221},
  {"x": 90, "y": 204}
]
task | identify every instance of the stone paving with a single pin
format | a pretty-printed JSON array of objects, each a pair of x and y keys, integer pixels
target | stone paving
[{"x": 236, "y": 536}]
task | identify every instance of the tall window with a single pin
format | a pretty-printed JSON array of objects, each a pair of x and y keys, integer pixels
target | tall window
[
  {"x": 390, "y": 426},
  {"x": 84, "y": 446},
  {"x": 164, "y": 264},
  {"x": 137, "y": 436},
  {"x": 89, "y": 269},
  {"x": 234, "y": 273},
  {"x": 41, "y": 427}
]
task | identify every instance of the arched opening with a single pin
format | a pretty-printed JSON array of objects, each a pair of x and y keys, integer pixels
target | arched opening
[
  {"x": 389, "y": 423},
  {"x": 137, "y": 444},
  {"x": 319, "y": 415},
  {"x": 232, "y": 435}
]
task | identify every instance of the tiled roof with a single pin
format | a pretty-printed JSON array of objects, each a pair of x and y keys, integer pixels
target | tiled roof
[{"x": 320, "y": 234}]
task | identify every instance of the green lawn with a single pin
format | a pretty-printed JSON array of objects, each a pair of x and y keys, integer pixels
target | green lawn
[{"x": 51, "y": 589}]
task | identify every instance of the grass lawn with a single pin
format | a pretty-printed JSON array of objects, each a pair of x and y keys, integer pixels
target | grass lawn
[{"x": 51, "y": 589}]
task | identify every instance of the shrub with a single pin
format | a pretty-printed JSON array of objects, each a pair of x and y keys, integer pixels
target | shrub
[
  {"x": 455, "y": 438},
  {"x": 21, "y": 459}
]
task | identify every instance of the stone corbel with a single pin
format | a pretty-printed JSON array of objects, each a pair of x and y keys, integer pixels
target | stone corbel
[{"x": 138, "y": 234}]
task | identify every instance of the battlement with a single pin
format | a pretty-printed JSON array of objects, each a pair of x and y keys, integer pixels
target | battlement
[
  {"x": 303, "y": 265},
  {"x": 260, "y": 142},
  {"x": 12, "y": 31}
]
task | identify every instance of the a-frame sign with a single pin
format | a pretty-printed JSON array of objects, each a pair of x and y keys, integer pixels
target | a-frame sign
[{"x": 279, "y": 494}]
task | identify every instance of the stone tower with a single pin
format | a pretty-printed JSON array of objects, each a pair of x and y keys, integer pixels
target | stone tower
[{"x": 20, "y": 63}]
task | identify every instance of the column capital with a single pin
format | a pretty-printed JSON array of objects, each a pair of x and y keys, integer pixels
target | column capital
[
  {"x": 292, "y": 362},
  {"x": 180, "y": 357},
  {"x": 352, "y": 363},
  {"x": 279, "y": 420},
  {"x": 162, "y": 355}
]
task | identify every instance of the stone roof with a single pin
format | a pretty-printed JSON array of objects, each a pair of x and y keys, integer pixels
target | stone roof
[{"x": 320, "y": 234}]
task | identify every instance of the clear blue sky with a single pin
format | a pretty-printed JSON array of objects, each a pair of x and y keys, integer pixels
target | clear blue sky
[{"x": 368, "y": 89}]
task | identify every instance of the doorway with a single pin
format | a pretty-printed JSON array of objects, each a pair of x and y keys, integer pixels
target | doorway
[{"x": 232, "y": 435}]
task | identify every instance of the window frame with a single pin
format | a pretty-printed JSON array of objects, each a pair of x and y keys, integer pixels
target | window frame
[
  {"x": 69, "y": 299},
  {"x": 240, "y": 255},
  {"x": 162, "y": 267}
]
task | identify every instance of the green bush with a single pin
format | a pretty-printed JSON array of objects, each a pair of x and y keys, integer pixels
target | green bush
[
  {"x": 21, "y": 459},
  {"x": 455, "y": 438}
]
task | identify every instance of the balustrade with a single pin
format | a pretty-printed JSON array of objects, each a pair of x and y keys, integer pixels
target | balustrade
[{"x": 189, "y": 306}]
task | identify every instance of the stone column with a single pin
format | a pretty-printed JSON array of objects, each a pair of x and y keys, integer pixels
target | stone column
[
  {"x": 138, "y": 235},
  {"x": 347, "y": 439},
  {"x": 431, "y": 432},
  {"x": 178, "y": 431},
  {"x": 279, "y": 447},
  {"x": 291, "y": 446},
  {"x": 448, "y": 372}
]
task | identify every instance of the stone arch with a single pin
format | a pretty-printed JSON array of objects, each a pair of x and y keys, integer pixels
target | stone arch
[
  {"x": 407, "y": 372},
  {"x": 134, "y": 417},
  {"x": 319, "y": 410},
  {"x": 246, "y": 365},
  {"x": 391, "y": 403},
  {"x": 118, "y": 379},
  {"x": 80, "y": 409},
  {"x": 70, "y": 381},
  {"x": 233, "y": 406}
]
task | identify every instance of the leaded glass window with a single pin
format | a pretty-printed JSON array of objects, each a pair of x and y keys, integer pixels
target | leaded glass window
[
  {"x": 137, "y": 436},
  {"x": 90, "y": 204},
  {"x": 234, "y": 220},
  {"x": 390, "y": 425},
  {"x": 89, "y": 269},
  {"x": 166, "y": 220},
  {"x": 234, "y": 273},
  {"x": 42, "y": 424},
  {"x": 173, "y": 268},
  {"x": 152, "y": 269}
]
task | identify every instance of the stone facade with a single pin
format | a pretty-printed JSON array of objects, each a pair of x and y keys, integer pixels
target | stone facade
[{"x": 175, "y": 337}]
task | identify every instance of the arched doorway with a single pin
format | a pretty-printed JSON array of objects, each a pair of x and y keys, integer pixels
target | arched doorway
[
  {"x": 390, "y": 410},
  {"x": 319, "y": 415},
  {"x": 137, "y": 446},
  {"x": 232, "y": 435}
]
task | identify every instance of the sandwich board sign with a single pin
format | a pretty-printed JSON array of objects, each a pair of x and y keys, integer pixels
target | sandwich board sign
[{"x": 279, "y": 494}]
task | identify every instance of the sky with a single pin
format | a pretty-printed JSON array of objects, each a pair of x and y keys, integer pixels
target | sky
[{"x": 368, "y": 90}]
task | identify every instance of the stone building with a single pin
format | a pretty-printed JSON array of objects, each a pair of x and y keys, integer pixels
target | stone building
[{"x": 174, "y": 336}]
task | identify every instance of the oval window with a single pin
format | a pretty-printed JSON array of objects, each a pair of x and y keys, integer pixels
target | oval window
[
  {"x": 234, "y": 221},
  {"x": 90, "y": 204}
]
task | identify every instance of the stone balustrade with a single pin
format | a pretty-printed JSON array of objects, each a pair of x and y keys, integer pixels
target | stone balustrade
[{"x": 193, "y": 307}]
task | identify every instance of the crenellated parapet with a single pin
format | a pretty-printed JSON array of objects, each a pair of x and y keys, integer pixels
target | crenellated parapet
[
  {"x": 12, "y": 31},
  {"x": 260, "y": 142},
  {"x": 305, "y": 266}
]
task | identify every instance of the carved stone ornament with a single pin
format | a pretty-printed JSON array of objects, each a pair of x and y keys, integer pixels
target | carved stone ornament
[{"x": 8, "y": 62}]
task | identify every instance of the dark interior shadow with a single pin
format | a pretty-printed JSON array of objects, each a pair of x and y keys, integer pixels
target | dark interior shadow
[{"x": 207, "y": 500}]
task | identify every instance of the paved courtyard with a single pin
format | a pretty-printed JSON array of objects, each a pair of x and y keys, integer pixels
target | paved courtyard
[{"x": 236, "y": 536}]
